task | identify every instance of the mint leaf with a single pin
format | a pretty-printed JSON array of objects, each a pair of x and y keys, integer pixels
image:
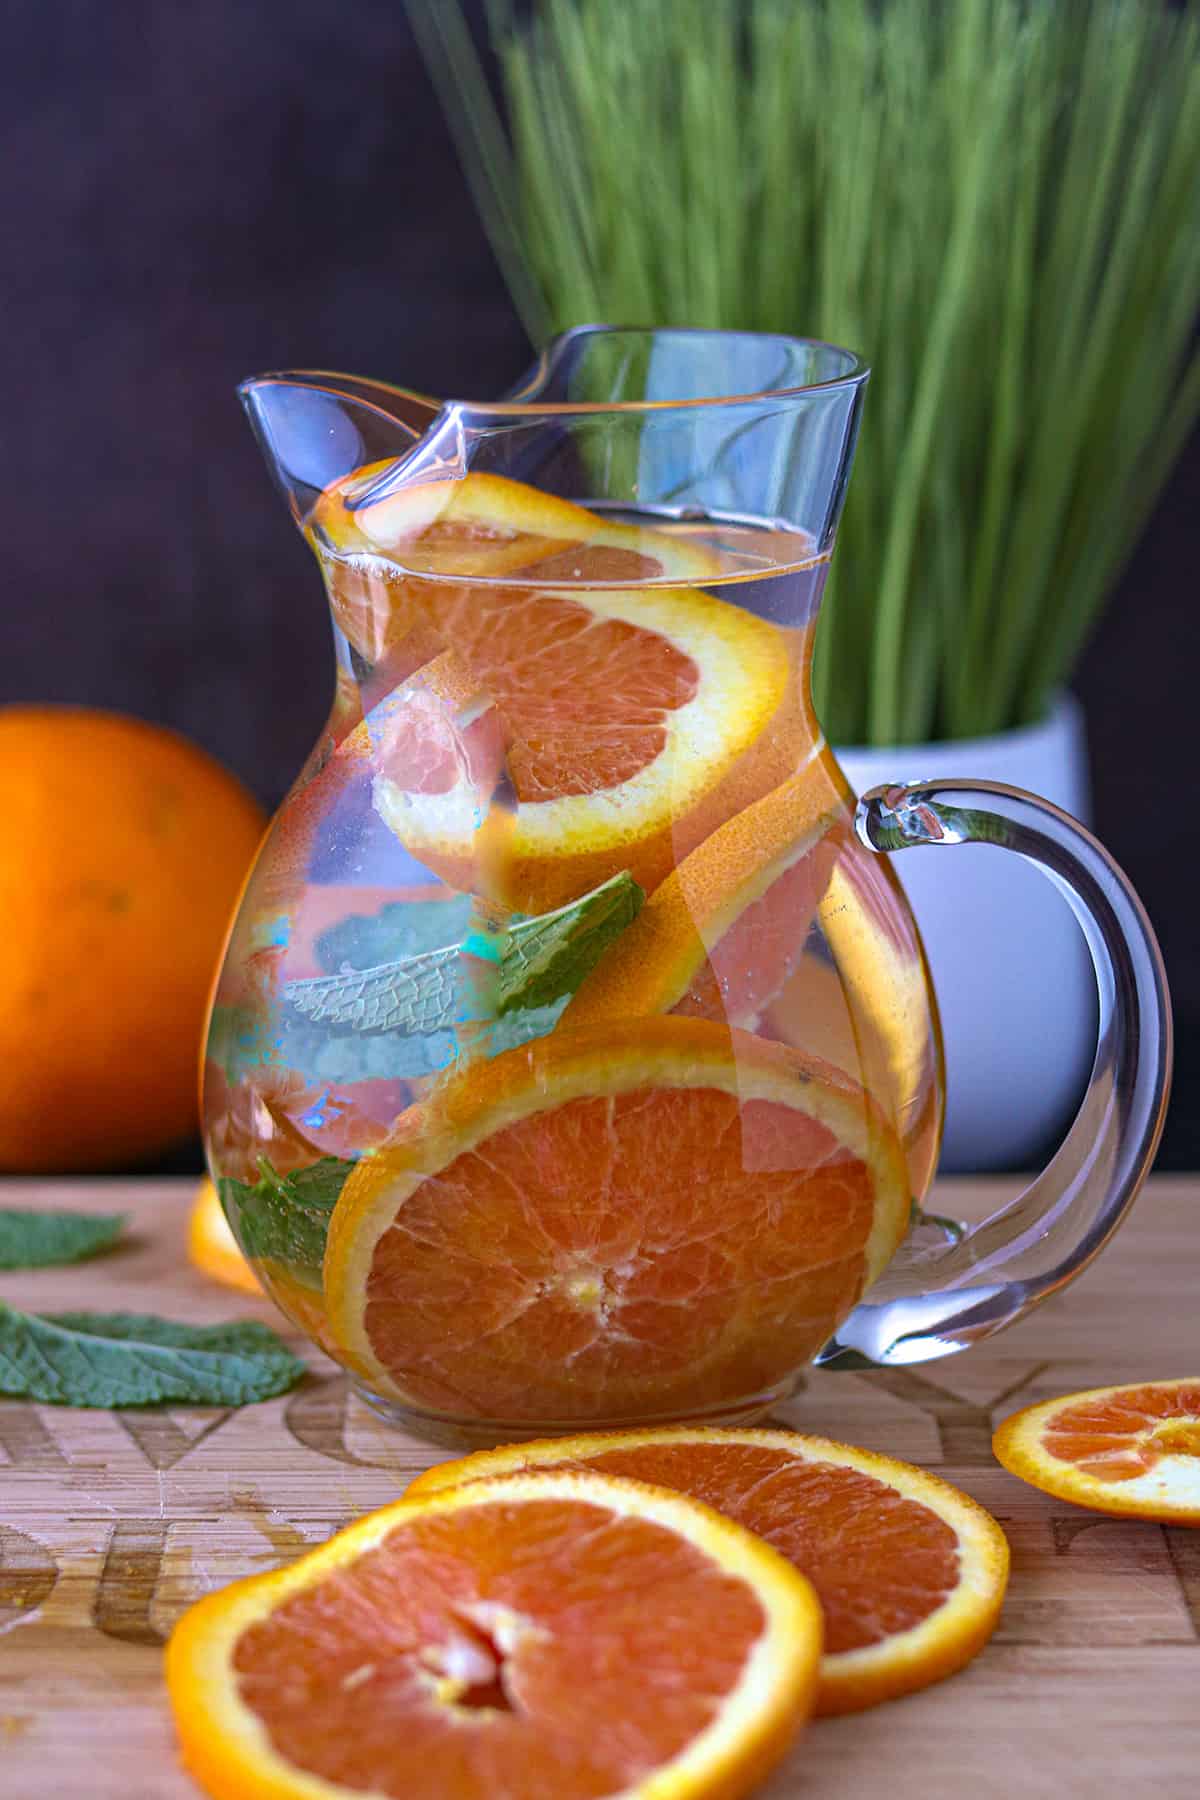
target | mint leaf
[
  {"x": 286, "y": 1217},
  {"x": 236, "y": 1337},
  {"x": 340, "y": 1057},
  {"x": 39, "y": 1240},
  {"x": 528, "y": 965},
  {"x": 547, "y": 958},
  {"x": 400, "y": 928},
  {"x": 133, "y": 1359}
]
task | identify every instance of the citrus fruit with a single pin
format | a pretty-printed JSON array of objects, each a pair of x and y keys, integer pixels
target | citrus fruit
[
  {"x": 613, "y": 1225},
  {"x": 910, "y": 1572},
  {"x": 631, "y": 725},
  {"x": 212, "y": 1246},
  {"x": 720, "y": 936},
  {"x": 480, "y": 528},
  {"x": 483, "y": 527},
  {"x": 1132, "y": 1449},
  {"x": 627, "y": 718},
  {"x": 875, "y": 945},
  {"x": 124, "y": 850},
  {"x": 496, "y": 1640}
]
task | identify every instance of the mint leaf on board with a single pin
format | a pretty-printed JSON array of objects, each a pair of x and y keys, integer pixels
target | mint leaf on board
[
  {"x": 41, "y": 1240},
  {"x": 135, "y": 1359},
  {"x": 286, "y": 1217}
]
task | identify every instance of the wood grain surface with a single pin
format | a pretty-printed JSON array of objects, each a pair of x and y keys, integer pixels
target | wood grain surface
[{"x": 111, "y": 1523}]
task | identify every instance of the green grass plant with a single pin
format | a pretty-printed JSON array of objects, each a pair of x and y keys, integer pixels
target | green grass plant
[{"x": 996, "y": 201}]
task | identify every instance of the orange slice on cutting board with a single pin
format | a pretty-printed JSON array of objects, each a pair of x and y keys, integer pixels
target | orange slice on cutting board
[
  {"x": 719, "y": 938},
  {"x": 1132, "y": 1450},
  {"x": 605, "y": 1225},
  {"x": 496, "y": 1639},
  {"x": 910, "y": 1572}
]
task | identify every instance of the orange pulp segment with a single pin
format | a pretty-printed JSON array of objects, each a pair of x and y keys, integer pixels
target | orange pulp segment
[
  {"x": 605, "y": 1226},
  {"x": 910, "y": 1572},
  {"x": 1130, "y": 1450},
  {"x": 496, "y": 1640}
]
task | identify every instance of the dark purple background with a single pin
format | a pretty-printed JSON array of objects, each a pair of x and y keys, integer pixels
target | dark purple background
[{"x": 192, "y": 193}]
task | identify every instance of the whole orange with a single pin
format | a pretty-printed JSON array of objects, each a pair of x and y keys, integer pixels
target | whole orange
[{"x": 123, "y": 848}]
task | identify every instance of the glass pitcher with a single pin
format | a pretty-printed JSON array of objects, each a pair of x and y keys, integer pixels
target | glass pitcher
[{"x": 574, "y": 1059}]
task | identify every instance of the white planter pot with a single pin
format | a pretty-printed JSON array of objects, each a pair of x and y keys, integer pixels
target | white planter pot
[{"x": 1013, "y": 977}]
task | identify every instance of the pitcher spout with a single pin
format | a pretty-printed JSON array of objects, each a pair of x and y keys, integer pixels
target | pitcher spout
[{"x": 315, "y": 428}]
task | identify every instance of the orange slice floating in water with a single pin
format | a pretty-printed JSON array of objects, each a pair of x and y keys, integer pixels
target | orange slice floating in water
[
  {"x": 605, "y": 1225},
  {"x": 488, "y": 527},
  {"x": 631, "y": 718},
  {"x": 495, "y": 1640},
  {"x": 631, "y": 725},
  {"x": 211, "y": 1245},
  {"x": 910, "y": 1572},
  {"x": 720, "y": 936},
  {"x": 481, "y": 528},
  {"x": 1132, "y": 1450}
]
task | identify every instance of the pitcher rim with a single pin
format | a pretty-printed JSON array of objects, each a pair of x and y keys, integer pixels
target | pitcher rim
[{"x": 854, "y": 375}]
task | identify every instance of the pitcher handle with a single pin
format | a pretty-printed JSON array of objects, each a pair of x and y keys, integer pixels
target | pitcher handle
[{"x": 931, "y": 1302}]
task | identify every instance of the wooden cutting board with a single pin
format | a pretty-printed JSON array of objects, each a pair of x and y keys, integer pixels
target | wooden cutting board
[{"x": 110, "y": 1524}]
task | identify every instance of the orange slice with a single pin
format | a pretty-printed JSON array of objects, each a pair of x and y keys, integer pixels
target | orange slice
[
  {"x": 720, "y": 936},
  {"x": 481, "y": 528},
  {"x": 211, "y": 1245},
  {"x": 484, "y": 527},
  {"x": 630, "y": 725},
  {"x": 630, "y": 718},
  {"x": 608, "y": 1225},
  {"x": 910, "y": 1572},
  {"x": 496, "y": 1640},
  {"x": 1130, "y": 1450}
]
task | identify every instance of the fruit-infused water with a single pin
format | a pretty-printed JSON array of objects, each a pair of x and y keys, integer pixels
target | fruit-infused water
[{"x": 572, "y": 1060}]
